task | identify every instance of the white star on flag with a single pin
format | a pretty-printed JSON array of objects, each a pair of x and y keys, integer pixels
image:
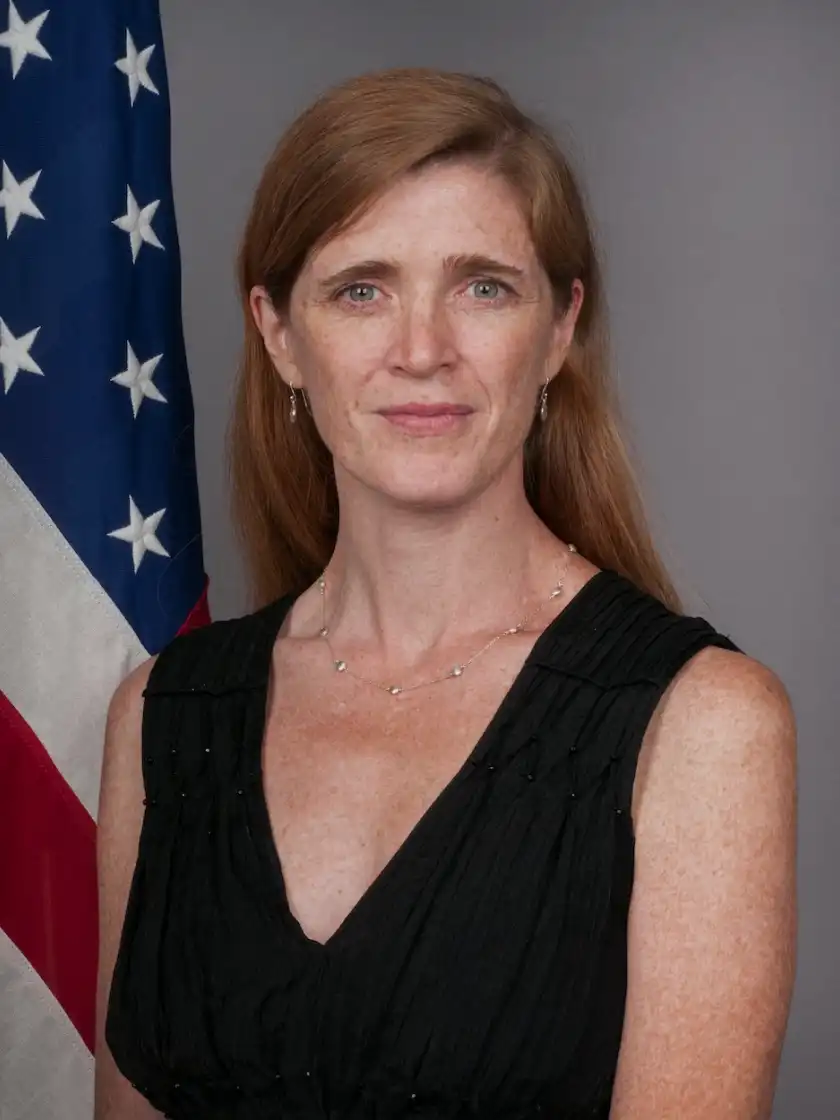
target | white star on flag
[
  {"x": 22, "y": 38},
  {"x": 137, "y": 223},
  {"x": 140, "y": 533},
  {"x": 134, "y": 66},
  {"x": 16, "y": 198},
  {"x": 137, "y": 378},
  {"x": 14, "y": 355}
]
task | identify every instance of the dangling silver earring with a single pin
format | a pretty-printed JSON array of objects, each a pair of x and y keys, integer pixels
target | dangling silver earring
[
  {"x": 544, "y": 403},
  {"x": 293, "y": 404}
]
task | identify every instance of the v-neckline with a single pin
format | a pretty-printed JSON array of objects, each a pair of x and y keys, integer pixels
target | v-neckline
[{"x": 264, "y": 835}]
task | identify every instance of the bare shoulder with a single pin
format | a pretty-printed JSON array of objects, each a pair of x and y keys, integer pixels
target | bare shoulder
[
  {"x": 126, "y": 703},
  {"x": 120, "y": 792},
  {"x": 722, "y": 713},
  {"x": 713, "y": 925},
  {"x": 121, "y": 752},
  {"x": 725, "y": 682},
  {"x": 121, "y": 786}
]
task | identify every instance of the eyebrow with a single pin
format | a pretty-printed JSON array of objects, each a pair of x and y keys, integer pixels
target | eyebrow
[{"x": 458, "y": 265}]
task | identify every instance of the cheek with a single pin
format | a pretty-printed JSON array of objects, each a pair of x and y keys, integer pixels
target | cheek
[
  {"x": 334, "y": 365},
  {"x": 505, "y": 363}
]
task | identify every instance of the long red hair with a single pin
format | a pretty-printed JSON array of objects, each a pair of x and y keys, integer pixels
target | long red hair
[{"x": 328, "y": 168}]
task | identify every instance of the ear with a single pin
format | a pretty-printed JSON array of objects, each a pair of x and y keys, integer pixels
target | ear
[
  {"x": 275, "y": 331},
  {"x": 564, "y": 332}
]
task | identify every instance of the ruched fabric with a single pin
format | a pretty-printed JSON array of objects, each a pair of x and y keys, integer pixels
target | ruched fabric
[{"x": 483, "y": 973}]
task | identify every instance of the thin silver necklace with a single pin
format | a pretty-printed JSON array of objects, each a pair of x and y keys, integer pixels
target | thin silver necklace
[{"x": 340, "y": 665}]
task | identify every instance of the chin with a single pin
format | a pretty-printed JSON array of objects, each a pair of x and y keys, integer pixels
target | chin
[
  {"x": 410, "y": 491},
  {"x": 440, "y": 479}
]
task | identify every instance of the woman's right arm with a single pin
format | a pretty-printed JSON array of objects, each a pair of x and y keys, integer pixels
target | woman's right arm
[{"x": 118, "y": 831}]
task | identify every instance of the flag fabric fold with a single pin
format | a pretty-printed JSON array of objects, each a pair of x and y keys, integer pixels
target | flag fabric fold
[{"x": 100, "y": 535}]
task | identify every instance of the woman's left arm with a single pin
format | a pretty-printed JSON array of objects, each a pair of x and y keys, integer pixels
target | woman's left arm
[{"x": 713, "y": 917}]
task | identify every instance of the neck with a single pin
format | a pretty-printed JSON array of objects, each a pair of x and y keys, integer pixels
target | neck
[{"x": 403, "y": 583}]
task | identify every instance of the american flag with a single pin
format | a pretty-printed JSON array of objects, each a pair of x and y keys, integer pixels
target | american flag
[{"x": 100, "y": 542}]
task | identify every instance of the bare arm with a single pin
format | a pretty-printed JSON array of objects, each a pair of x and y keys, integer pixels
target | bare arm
[
  {"x": 118, "y": 831},
  {"x": 713, "y": 926}
]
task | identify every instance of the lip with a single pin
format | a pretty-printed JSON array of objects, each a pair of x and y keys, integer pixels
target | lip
[
  {"x": 426, "y": 419},
  {"x": 418, "y": 408}
]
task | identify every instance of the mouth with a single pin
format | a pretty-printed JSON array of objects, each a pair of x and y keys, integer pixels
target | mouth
[{"x": 427, "y": 419}]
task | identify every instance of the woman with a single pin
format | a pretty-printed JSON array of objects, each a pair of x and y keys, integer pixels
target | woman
[{"x": 395, "y": 817}]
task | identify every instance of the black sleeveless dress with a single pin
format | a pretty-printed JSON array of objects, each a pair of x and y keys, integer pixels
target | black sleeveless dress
[{"x": 483, "y": 974}]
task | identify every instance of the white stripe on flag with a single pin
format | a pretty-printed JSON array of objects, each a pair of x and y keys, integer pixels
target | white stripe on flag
[
  {"x": 74, "y": 646},
  {"x": 46, "y": 1071}
]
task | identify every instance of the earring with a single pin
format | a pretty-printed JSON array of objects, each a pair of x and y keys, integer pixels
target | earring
[
  {"x": 293, "y": 404},
  {"x": 544, "y": 403}
]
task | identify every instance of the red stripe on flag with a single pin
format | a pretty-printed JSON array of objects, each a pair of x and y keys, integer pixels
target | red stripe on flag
[
  {"x": 48, "y": 904},
  {"x": 48, "y": 887},
  {"x": 200, "y": 614}
]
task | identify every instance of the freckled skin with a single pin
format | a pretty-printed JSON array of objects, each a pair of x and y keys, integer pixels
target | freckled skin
[{"x": 426, "y": 335}]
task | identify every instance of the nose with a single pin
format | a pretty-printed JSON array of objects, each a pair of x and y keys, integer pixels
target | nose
[{"x": 423, "y": 341}]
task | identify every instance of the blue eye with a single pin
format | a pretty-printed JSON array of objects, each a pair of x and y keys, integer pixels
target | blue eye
[
  {"x": 501, "y": 288},
  {"x": 356, "y": 288},
  {"x": 493, "y": 291}
]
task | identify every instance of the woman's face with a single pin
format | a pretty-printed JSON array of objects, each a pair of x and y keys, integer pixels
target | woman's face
[{"x": 422, "y": 336}]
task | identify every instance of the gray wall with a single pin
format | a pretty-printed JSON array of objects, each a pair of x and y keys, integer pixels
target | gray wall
[{"x": 707, "y": 136}]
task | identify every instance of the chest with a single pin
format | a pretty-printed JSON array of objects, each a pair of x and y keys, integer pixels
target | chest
[{"x": 349, "y": 770}]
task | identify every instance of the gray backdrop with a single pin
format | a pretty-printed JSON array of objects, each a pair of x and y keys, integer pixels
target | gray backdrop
[{"x": 707, "y": 136}]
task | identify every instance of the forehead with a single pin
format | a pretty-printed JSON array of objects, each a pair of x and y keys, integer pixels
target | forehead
[{"x": 433, "y": 213}]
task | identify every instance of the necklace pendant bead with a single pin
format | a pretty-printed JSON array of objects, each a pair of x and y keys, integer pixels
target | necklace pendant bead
[{"x": 456, "y": 670}]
